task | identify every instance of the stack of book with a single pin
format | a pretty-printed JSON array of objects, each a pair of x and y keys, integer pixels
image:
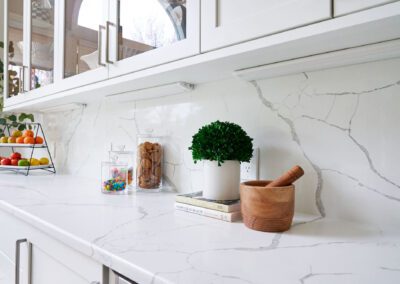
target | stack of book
[{"x": 226, "y": 210}]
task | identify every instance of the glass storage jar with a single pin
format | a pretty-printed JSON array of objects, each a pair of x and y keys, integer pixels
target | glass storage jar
[
  {"x": 118, "y": 154},
  {"x": 114, "y": 178},
  {"x": 149, "y": 163}
]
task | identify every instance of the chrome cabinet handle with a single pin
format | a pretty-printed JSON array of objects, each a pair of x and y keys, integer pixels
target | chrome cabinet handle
[
  {"x": 21, "y": 79},
  {"x": 108, "y": 24},
  {"x": 95, "y": 282},
  {"x": 99, "y": 45},
  {"x": 17, "y": 258},
  {"x": 23, "y": 75}
]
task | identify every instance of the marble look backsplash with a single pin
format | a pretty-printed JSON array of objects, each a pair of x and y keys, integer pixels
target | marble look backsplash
[{"x": 341, "y": 125}]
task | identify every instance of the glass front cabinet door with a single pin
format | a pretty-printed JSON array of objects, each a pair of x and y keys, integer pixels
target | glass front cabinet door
[
  {"x": 146, "y": 33},
  {"x": 29, "y": 45},
  {"x": 15, "y": 50},
  {"x": 83, "y": 42}
]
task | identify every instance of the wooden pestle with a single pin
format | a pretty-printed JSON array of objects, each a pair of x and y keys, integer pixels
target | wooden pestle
[{"x": 287, "y": 178}]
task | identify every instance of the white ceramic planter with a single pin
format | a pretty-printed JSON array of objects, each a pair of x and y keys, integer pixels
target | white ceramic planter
[{"x": 221, "y": 183}]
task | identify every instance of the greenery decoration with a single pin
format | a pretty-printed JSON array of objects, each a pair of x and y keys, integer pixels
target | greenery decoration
[
  {"x": 221, "y": 141},
  {"x": 20, "y": 122}
]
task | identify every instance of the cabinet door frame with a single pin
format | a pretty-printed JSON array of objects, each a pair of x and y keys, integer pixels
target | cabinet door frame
[
  {"x": 187, "y": 47},
  {"x": 215, "y": 36},
  {"x": 353, "y": 7},
  {"x": 88, "y": 77}
]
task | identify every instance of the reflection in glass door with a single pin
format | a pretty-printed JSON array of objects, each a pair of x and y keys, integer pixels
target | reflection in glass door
[
  {"x": 42, "y": 43},
  {"x": 15, "y": 47},
  {"x": 84, "y": 23},
  {"x": 147, "y": 25}
]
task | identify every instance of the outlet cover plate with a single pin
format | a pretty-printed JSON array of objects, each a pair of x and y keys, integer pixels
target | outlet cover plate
[{"x": 250, "y": 171}]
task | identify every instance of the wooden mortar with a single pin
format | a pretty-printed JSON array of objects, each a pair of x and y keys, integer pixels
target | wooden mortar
[{"x": 267, "y": 209}]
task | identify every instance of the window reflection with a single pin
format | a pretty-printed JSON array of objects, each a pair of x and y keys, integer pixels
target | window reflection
[
  {"x": 82, "y": 20},
  {"x": 150, "y": 24},
  {"x": 42, "y": 44}
]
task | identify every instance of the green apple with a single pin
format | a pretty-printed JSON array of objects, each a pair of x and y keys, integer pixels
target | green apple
[{"x": 23, "y": 163}]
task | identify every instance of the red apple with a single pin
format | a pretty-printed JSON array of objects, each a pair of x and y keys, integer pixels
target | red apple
[
  {"x": 6, "y": 162},
  {"x": 14, "y": 162},
  {"x": 15, "y": 155}
]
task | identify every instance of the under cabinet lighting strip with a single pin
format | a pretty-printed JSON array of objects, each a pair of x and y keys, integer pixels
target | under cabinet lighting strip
[
  {"x": 153, "y": 92},
  {"x": 350, "y": 56},
  {"x": 64, "y": 107}
]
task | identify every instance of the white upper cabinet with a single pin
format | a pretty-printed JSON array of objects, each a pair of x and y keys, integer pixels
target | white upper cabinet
[
  {"x": 227, "y": 22},
  {"x": 342, "y": 7},
  {"x": 142, "y": 34}
]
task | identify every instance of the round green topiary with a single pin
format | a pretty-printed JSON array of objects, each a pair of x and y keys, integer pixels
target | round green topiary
[{"x": 221, "y": 141}]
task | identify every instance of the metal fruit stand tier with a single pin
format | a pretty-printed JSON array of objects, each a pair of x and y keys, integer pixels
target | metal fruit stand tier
[{"x": 38, "y": 130}]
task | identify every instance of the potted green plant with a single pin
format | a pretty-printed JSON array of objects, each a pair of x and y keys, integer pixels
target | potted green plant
[{"x": 222, "y": 146}]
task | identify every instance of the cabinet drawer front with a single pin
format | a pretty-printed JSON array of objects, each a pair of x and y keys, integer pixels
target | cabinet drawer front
[
  {"x": 45, "y": 250},
  {"x": 227, "y": 22},
  {"x": 48, "y": 270},
  {"x": 6, "y": 269},
  {"x": 342, "y": 7}
]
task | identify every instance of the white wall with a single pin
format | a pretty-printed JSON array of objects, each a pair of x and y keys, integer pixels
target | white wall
[{"x": 341, "y": 125}]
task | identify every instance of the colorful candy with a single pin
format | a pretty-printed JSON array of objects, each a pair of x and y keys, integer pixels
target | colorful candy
[{"x": 114, "y": 184}]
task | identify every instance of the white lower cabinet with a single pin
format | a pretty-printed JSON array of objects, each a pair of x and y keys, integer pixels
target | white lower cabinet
[
  {"x": 41, "y": 259},
  {"x": 6, "y": 269},
  {"x": 48, "y": 270},
  {"x": 343, "y": 7}
]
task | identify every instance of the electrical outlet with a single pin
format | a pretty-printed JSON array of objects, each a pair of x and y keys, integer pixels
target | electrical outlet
[{"x": 250, "y": 171}]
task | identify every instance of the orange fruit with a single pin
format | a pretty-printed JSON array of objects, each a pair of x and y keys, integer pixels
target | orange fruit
[
  {"x": 38, "y": 140},
  {"x": 20, "y": 140},
  {"x": 29, "y": 140},
  {"x": 28, "y": 133}
]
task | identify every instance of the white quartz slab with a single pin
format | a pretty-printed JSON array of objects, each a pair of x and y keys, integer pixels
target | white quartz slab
[{"x": 144, "y": 238}]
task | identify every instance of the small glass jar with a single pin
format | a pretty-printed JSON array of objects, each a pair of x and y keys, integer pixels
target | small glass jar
[
  {"x": 118, "y": 154},
  {"x": 114, "y": 178},
  {"x": 149, "y": 163}
]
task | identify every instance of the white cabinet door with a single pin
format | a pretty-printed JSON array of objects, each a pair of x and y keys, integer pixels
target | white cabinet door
[
  {"x": 6, "y": 269},
  {"x": 142, "y": 34},
  {"x": 82, "y": 38},
  {"x": 227, "y": 22},
  {"x": 342, "y": 7},
  {"x": 15, "y": 47},
  {"x": 48, "y": 270}
]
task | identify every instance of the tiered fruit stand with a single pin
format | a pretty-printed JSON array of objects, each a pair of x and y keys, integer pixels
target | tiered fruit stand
[{"x": 38, "y": 130}]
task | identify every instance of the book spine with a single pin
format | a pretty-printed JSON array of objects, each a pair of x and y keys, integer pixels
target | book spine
[
  {"x": 228, "y": 217},
  {"x": 207, "y": 204}
]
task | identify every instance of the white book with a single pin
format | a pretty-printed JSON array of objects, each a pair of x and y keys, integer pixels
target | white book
[{"x": 224, "y": 216}]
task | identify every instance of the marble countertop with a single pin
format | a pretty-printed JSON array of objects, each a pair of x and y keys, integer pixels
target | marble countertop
[{"x": 144, "y": 238}]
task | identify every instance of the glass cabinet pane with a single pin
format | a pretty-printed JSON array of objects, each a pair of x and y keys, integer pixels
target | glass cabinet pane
[
  {"x": 15, "y": 46},
  {"x": 150, "y": 24},
  {"x": 82, "y": 20},
  {"x": 42, "y": 43}
]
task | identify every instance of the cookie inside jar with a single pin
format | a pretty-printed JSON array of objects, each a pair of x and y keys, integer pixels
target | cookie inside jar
[{"x": 149, "y": 165}]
